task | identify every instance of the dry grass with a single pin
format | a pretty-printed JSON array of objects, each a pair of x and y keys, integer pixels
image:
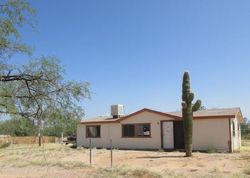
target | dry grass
[
  {"x": 55, "y": 160},
  {"x": 124, "y": 171},
  {"x": 32, "y": 155},
  {"x": 247, "y": 170},
  {"x": 245, "y": 146}
]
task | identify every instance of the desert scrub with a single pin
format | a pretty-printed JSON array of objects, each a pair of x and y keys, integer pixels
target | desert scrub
[
  {"x": 5, "y": 145},
  {"x": 247, "y": 170},
  {"x": 160, "y": 150},
  {"x": 124, "y": 172},
  {"x": 69, "y": 164},
  {"x": 215, "y": 170},
  {"x": 211, "y": 150},
  {"x": 43, "y": 163},
  {"x": 9, "y": 161},
  {"x": 245, "y": 147},
  {"x": 238, "y": 175},
  {"x": 171, "y": 174},
  {"x": 101, "y": 151},
  {"x": 82, "y": 149},
  {"x": 245, "y": 143}
]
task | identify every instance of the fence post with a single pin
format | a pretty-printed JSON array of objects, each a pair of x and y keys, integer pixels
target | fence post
[
  {"x": 61, "y": 137},
  {"x": 90, "y": 152},
  {"x": 111, "y": 153}
]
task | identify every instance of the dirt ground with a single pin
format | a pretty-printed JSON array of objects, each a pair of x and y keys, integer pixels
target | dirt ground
[{"x": 55, "y": 160}]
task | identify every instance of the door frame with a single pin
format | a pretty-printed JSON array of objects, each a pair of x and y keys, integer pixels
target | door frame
[
  {"x": 162, "y": 146},
  {"x": 175, "y": 146}
]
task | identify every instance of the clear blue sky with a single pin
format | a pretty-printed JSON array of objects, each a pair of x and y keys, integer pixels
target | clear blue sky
[{"x": 134, "y": 52}]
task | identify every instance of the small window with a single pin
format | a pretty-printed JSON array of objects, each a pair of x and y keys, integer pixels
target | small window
[
  {"x": 93, "y": 131},
  {"x": 136, "y": 130},
  {"x": 128, "y": 130}
]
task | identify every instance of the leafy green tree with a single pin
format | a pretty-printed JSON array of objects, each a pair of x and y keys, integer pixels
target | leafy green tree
[
  {"x": 45, "y": 96},
  {"x": 61, "y": 121},
  {"x": 14, "y": 14},
  {"x": 245, "y": 130},
  {"x": 35, "y": 90},
  {"x": 17, "y": 126}
]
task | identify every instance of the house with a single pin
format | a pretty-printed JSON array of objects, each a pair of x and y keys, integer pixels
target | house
[{"x": 217, "y": 129}]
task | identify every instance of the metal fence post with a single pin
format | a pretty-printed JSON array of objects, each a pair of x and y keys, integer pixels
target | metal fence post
[
  {"x": 111, "y": 153},
  {"x": 90, "y": 152}
]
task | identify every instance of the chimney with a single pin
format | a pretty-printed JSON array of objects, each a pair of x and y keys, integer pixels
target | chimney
[{"x": 117, "y": 110}]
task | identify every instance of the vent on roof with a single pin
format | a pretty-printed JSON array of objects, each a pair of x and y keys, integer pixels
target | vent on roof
[{"x": 117, "y": 110}]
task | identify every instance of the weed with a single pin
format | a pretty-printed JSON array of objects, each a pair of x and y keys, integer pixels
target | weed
[
  {"x": 215, "y": 170},
  {"x": 5, "y": 145},
  {"x": 160, "y": 150},
  {"x": 238, "y": 175},
  {"x": 247, "y": 170},
  {"x": 171, "y": 174},
  {"x": 124, "y": 172},
  {"x": 211, "y": 150}
]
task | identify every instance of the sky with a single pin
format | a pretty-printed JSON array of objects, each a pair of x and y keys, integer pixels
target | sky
[{"x": 134, "y": 52}]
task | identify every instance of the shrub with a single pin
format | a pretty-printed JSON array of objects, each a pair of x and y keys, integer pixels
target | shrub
[
  {"x": 5, "y": 145},
  {"x": 247, "y": 170},
  {"x": 211, "y": 150}
]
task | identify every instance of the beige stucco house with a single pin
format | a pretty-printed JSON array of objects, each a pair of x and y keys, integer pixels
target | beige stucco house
[{"x": 217, "y": 129}]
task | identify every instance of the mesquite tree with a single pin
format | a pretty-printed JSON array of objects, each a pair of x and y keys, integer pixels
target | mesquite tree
[
  {"x": 187, "y": 113},
  {"x": 36, "y": 90}
]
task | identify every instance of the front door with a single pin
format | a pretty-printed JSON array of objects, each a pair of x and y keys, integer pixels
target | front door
[
  {"x": 168, "y": 134},
  {"x": 178, "y": 135}
]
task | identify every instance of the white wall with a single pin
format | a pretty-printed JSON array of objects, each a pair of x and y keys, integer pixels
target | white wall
[
  {"x": 207, "y": 133},
  {"x": 114, "y": 131},
  {"x": 236, "y": 134},
  {"x": 211, "y": 134}
]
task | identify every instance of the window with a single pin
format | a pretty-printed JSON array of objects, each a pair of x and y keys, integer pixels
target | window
[
  {"x": 136, "y": 130},
  {"x": 93, "y": 131},
  {"x": 128, "y": 130}
]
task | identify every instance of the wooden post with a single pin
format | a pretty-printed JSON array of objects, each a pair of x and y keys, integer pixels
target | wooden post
[
  {"x": 39, "y": 132},
  {"x": 39, "y": 139},
  {"x": 90, "y": 152},
  {"x": 61, "y": 137},
  {"x": 111, "y": 153}
]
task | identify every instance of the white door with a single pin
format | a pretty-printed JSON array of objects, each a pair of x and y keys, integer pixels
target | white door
[{"x": 168, "y": 135}]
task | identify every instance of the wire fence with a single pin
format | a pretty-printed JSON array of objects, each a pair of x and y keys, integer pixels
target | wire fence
[{"x": 32, "y": 146}]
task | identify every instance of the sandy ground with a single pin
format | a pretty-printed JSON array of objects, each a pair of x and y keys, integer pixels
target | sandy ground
[{"x": 52, "y": 160}]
